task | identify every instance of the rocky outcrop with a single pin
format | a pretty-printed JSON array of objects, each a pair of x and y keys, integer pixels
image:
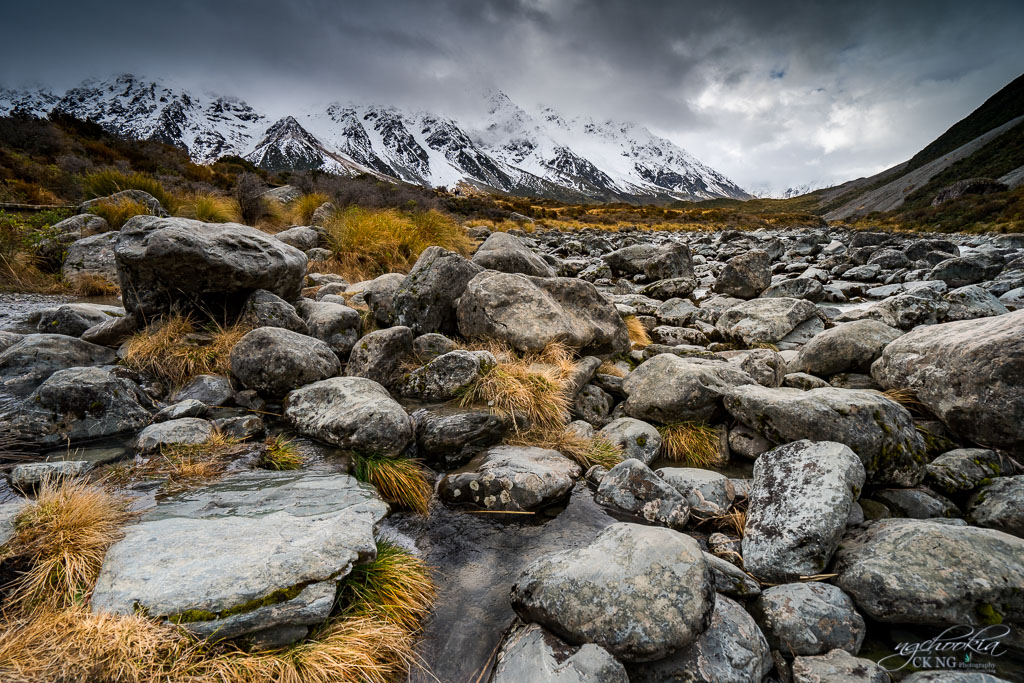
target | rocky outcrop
[{"x": 969, "y": 373}]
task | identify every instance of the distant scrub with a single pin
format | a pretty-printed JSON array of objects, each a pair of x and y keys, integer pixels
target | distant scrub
[
  {"x": 117, "y": 212},
  {"x": 109, "y": 181}
]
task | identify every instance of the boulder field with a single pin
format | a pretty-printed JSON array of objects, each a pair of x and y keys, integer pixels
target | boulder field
[{"x": 814, "y": 431}]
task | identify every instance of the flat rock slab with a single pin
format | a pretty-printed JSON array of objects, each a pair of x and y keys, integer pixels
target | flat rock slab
[
  {"x": 516, "y": 478},
  {"x": 248, "y": 553}
]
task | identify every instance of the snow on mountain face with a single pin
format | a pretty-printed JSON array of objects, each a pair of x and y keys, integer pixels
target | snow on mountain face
[
  {"x": 766, "y": 192},
  {"x": 515, "y": 152}
]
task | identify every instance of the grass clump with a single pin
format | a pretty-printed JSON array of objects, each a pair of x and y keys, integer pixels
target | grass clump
[
  {"x": 396, "y": 585},
  {"x": 90, "y": 284},
  {"x": 110, "y": 181},
  {"x": 209, "y": 208},
  {"x": 280, "y": 454},
  {"x": 692, "y": 443},
  {"x": 401, "y": 481},
  {"x": 62, "y": 537},
  {"x": 301, "y": 209},
  {"x": 185, "y": 465},
  {"x": 585, "y": 450},
  {"x": 376, "y": 241},
  {"x": 906, "y": 398},
  {"x": 175, "y": 350},
  {"x": 117, "y": 212},
  {"x": 532, "y": 386},
  {"x": 638, "y": 336}
]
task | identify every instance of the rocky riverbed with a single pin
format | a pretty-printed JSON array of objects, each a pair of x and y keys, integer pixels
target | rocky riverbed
[{"x": 862, "y": 395}]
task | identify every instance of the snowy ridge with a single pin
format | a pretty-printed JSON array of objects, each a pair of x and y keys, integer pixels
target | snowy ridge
[{"x": 512, "y": 151}]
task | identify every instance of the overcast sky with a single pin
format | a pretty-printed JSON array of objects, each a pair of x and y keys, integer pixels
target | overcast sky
[{"x": 773, "y": 94}]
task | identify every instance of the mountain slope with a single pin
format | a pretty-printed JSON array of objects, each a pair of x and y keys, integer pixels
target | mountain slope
[
  {"x": 515, "y": 152},
  {"x": 985, "y": 143}
]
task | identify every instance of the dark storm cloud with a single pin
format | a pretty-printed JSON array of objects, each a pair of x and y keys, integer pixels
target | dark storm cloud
[{"x": 769, "y": 92}]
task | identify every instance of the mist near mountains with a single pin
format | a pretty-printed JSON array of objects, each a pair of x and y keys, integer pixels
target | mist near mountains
[{"x": 772, "y": 94}]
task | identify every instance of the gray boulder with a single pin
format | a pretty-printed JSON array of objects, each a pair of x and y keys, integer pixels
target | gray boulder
[
  {"x": 27, "y": 476},
  {"x": 592, "y": 404},
  {"x": 847, "y": 347},
  {"x": 353, "y": 413},
  {"x": 75, "y": 319},
  {"x": 796, "y": 288},
  {"x": 27, "y": 362},
  {"x": 336, "y": 325},
  {"x": 92, "y": 256},
  {"x": 708, "y": 493},
  {"x": 512, "y": 478},
  {"x": 731, "y": 580},
  {"x": 529, "y": 653},
  {"x": 667, "y": 388},
  {"x": 266, "y": 309},
  {"x": 912, "y": 571},
  {"x": 52, "y": 249},
  {"x": 507, "y": 253},
  {"x": 77, "y": 404},
  {"x": 182, "y": 431},
  {"x": 192, "y": 558},
  {"x": 999, "y": 504},
  {"x": 429, "y": 346},
  {"x": 640, "y": 592},
  {"x": 839, "y": 666},
  {"x": 165, "y": 263},
  {"x": 448, "y": 375},
  {"x": 151, "y": 203},
  {"x": 273, "y": 360},
  {"x": 965, "y": 270},
  {"x": 637, "y": 438},
  {"x": 801, "y": 619},
  {"x": 972, "y": 301},
  {"x": 745, "y": 276},
  {"x": 963, "y": 469},
  {"x": 450, "y": 439},
  {"x": 425, "y": 300},
  {"x": 731, "y": 650},
  {"x": 530, "y": 312},
  {"x": 211, "y": 390},
  {"x": 878, "y": 429},
  {"x": 798, "y": 507},
  {"x": 379, "y": 296},
  {"x": 379, "y": 354},
  {"x": 969, "y": 373},
  {"x": 764, "y": 320},
  {"x": 916, "y": 503},
  {"x": 302, "y": 237},
  {"x": 632, "y": 487}
]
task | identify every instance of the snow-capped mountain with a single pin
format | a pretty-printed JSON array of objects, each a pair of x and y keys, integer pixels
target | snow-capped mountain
[
  {"x": 512, "y": 151},
  {"x": 766, "y": 192}
]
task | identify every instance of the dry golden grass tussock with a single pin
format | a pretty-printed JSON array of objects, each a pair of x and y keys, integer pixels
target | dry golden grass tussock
[
  {"x": 109, "y": 181},
  {"x": 531, "y": 386},
  {"x": 63, "y": 536},
  {"x": 637, "y": 332},
  {"x": 691, "y": 443},
  {"x": 386, "y": 240},
  {"x": 401, "y": 481},
  {"x": 209, "y": 208},
  {"x": 91, "y": 284},
  {"x": 186, "y": 465},
  {"x": 20, "y": 273},
  {"x": 610, "y": 369},
  {"x": 171, "y": 350},
  {"x": 586, "y": 451},
  {"x": 906, "y": 398},
  {"x": 301, "y": 210},
  {"x": 117, "y": 212}
]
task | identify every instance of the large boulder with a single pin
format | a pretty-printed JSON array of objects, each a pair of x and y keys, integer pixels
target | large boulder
[
  {"x": 639, "y": 592},
  {"x": 732, "y": 649},
  {"x": 353, "y": 413},
  {"x": 878, "y": 429},
  {"x": 512, "y": 478},
  {"x": 798, "y": 506},
  {"x": 637, "y": 438},
  {"x": 75, "y": 319},
  {"x": 165, "y": 263},
  {"x": 839, "y": 666},
  {"x": 273, "y": 360},
  {"x": 425, "y": 300},
  {"x": 92, "y": 256},
  {"x": 52, "y": 249},
  {"x": 182, "y": 431},
  {"x": 911, "y": 571},
  {"x": 446, "y": 376},
  {"x": 745, "y": 276},
  {"x": 668, "y": 388},
  {"x": 192, "y": 559},
  {"x": 266, "y": 309},
  {"x": 631, "y": 486},
  {"x": 962, "y": 469},
  {"x": 969, "y": 373},
  {"x": 335, "y": 324},
  {"x": 999, "y": 504},
  {"x": 27, "y": 362},
  {"x": 379, "y": 354},
  {"x": 707, "y": 492},
  {"x": 531, "y": 312},
  {"x": 764, "y": 320},
  {"x": 449, "y": 439},
  {"x": 151, "y": 203},
  {"x": 847, "y": 347},
  {"x": 506, "y": 253},
  {"x": 77, "y": 404},
  {"x": 809, "y": 619},
  {"x": 965, "y": 270}
]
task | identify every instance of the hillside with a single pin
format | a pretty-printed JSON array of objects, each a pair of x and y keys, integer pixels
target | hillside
[
  {"x": 985, "y": 144},
  {"x": 513, "y": 152}
]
